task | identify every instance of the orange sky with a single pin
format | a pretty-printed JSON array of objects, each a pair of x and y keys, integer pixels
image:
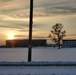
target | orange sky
[{"x": 14, "y": 18}]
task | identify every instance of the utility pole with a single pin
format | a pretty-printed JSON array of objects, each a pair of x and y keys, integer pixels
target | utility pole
[{"x": 30, "y": 31}]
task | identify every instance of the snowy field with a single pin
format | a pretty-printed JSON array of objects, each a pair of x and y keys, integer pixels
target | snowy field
[
  {"x": 37, "y": 70},
  {"x": 38, "y": 54}
]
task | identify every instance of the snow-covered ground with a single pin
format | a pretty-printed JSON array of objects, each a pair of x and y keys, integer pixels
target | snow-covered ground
[
  {"x": 38, "y": 54},
  {"x": 21, "y": 70},
  {"x": 54, "y": 54}
]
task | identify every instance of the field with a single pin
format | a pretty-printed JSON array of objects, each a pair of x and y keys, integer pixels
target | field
[
  {"x": 39, "y": 54},
  {"x": 21, "y": 70}
]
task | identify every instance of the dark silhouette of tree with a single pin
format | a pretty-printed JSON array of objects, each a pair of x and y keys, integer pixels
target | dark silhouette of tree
[{"x": 57, "y": 34}]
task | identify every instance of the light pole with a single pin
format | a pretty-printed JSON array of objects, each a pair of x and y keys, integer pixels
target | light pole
[{"x": 30, "y": 31}]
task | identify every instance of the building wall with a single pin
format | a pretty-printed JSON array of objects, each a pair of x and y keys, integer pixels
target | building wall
[
  {"x": 69, "y": 43},
  {"x": 24, "y": 43}
]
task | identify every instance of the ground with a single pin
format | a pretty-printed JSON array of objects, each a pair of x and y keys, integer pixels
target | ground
[
  {"x": 38, "y": 54},
  {"x": 21, "y": 70}
]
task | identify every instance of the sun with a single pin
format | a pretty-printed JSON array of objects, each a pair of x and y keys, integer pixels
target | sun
[{"x": 11, "y": 36}]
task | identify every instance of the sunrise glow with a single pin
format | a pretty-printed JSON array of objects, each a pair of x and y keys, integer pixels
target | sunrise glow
[{"x": 11, "y": 36}]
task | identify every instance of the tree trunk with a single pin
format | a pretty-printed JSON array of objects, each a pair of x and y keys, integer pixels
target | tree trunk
[{"x": 58, "y": 42}]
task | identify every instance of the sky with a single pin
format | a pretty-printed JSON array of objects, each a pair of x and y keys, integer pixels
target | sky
[{"x": 14, "y": 18}]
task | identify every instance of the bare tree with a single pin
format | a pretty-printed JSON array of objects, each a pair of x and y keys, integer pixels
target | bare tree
[{"x": 57, "y": 34}]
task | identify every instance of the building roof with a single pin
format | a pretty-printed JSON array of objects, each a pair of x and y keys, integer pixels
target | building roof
[{"x": 69, "y": 39}]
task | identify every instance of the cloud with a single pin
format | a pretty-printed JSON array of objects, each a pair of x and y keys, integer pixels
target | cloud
[
  {"x": 14, "y": 23},
  {"x": 20, "y": 36},
  {"x": 58, "y": 7},
  {"x": 12, "y": 5},
  {"x": 15, "y": 13},
  {"x": 20, "y": 8},
  {"x": 14, "y": 8}
]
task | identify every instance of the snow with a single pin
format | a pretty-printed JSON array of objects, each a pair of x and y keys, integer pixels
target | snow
[
  {"x": 39, "y": 55},
  {"x": 21, "y": 70},
  {"x": 54, "y": 54},
  {"x": 34, "y": 63}
]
